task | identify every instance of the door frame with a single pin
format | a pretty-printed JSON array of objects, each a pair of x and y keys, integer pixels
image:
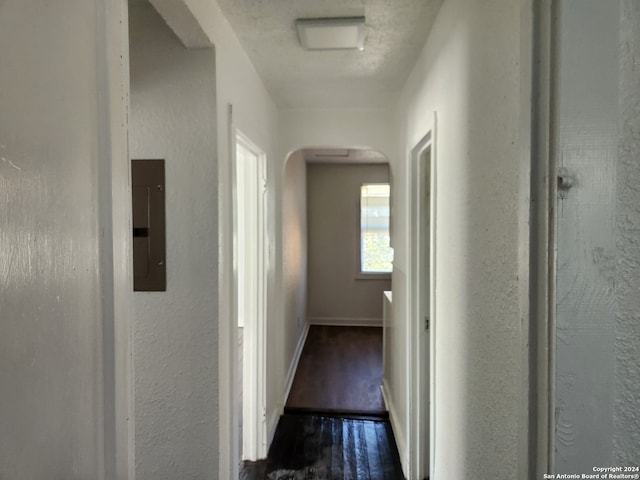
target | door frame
[
  {"x": 421, "y": 429},
  {"x": 253, "y": 375},
  {"x": 537, "y": 131}
]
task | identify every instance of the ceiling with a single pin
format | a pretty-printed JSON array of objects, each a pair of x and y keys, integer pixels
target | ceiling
[
  {"x": 342, "y": 155},
  {"x": 396, "y": 33}
]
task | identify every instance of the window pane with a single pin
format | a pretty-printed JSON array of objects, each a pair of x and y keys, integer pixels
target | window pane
[{"x": 375, "y": 253}]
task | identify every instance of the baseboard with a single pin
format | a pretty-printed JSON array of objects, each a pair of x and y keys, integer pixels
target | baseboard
[
  {"x": 272, "y": 421},
  {"x": 398, "y": 433},
  {"x": 294, "y": 363},
  {"x": 346, "y": 322}
]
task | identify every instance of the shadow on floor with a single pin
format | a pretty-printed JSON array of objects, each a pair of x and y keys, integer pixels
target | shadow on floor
[{"x": 314, "y": 447}]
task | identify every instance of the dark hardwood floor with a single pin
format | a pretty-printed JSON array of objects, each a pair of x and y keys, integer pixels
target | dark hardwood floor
[
  {"x": 313, "y": 447},
  {"x": 340, "y": 371},
  {"x": 335, "y": 425}
]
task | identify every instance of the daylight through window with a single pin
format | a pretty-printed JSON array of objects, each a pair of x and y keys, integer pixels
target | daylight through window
[{"x": 376, "y": 254}]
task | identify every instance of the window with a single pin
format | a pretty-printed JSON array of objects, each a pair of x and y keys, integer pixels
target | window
[{"x": 376, "y": 254}]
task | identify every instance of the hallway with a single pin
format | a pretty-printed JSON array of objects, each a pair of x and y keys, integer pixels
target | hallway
[
  {"x": 335, "y": 424},
  {"x": 534, "y": 358}
]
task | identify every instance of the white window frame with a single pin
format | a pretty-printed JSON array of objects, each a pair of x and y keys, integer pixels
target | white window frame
[{"x": 361, "y": 274}]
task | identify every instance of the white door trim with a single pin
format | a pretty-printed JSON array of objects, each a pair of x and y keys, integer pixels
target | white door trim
[
  {"x": 420, "y": 411},
  {"x": 537, "y": 237},
  {"x": 116, "y": 265},
  {"x": 254, "y": 444}
]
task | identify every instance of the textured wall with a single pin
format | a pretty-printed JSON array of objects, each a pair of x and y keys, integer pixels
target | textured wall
[
  {"x": 627, "y": 328},
  {"x": 172, "y": 116},
  {"x": 469, "y": 74},
  {"x": 335, "y": 294},
  {"x": 294, "y": 238},
  {"x": 254, "y": 114},
  {"x": 51, "y": 407}
]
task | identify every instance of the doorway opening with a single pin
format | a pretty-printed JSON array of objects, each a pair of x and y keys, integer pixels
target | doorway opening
[
  {"x": 346, "y": 269},
  {"x": 250, "y": 260},
  {"x": 422, "y": 306}
]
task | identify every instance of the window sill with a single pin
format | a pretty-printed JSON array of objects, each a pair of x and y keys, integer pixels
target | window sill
[{"x": 373, "y": 276}]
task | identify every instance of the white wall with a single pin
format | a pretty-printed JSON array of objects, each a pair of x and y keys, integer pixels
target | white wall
[
  {"x": 294, "y": 238},
  {"x": 365, "y": 128},
  {"x": 57, "y": 374},
  {"x": 173, "y": 117},
  {"x": 469, "y": 74},
  {"x": 337, "y": 294},
  {"x": 294, "y": 269},
  {"x": 254, "y": 113}
]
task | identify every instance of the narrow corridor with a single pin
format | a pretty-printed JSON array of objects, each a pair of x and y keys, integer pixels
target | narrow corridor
[{"x": 335, "y": 424}]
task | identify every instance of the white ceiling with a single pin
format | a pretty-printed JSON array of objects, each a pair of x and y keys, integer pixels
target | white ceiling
[
  {"x": 396, "y": 33},
  {"x": 342, "y": 155}
]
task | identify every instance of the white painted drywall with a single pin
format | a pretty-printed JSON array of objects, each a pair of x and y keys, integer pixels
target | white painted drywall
[
  {"x": 182, "y": 21},
  {"x": 175, "y": 333},
  {"x": 626, "y": 440},
  {"x": 255, "y": 115},
  {"x": 365, "y": 128},
  {"x": 469, "y": 74},
  {"x": 294, "y": 238},
  {"x": 57, "y": 278},
  {"x": 336, "y": 293}
]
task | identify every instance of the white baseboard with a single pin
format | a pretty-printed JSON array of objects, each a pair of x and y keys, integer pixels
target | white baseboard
[
  {"x": 398, "y": 433},
  {"x": 294, "y": 363},
  {"x": 272, "y": 421},
  {"x": 346, "y": 322}
]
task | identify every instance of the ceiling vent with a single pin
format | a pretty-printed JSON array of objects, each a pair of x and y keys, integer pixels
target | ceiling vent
[{"x": 331, "y": 33}]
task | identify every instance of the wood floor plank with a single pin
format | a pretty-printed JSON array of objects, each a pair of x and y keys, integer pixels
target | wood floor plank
[
  {"x": 312, "y": 440},
  {"x": 360, "y": 451},
  {"x": 337, "y": 462},
  {"x": 348, "y": 447},
  {"x": 313, "y": 447},
  {"x": 297, "y": 460},
  {"x": 326, "y": 443},
  {"x": 279, "y": 450},
  {"x": 386, "y": 454},
  {"x": 340, "y": 370},
  {"x": 373, "y": 451}
]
